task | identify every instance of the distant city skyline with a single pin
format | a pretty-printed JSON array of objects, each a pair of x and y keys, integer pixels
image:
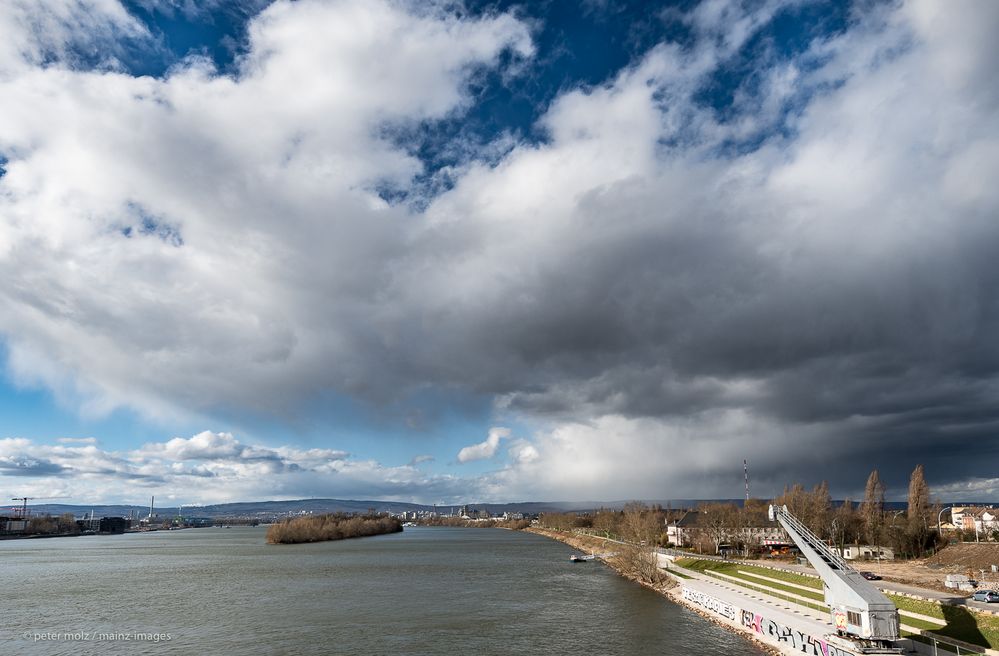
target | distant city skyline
[{"x": 497, "y": 251}]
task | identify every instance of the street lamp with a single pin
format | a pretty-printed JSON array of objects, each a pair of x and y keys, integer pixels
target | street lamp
[{"x": 939, "y": 515}]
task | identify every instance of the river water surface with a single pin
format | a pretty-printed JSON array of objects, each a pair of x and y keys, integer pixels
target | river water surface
[{"x": 424, "y": 591}]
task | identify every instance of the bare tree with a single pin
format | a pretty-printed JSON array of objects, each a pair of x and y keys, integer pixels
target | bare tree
[
  {"x": 796, "y": 500},
  {"x": 641, "y": 528},
  {"x": 719, "y": 522},
  {"x": 67, "y": 523},
  {"x": 845, "y": 524},
  {"x": 873, "y": 509},
  {"x": 606, "y": 522},
  {"x": 812, "y": 508},
  {"x": 819, "y": 509},
  {"x": 754, "y": 514},
  {"x": 919, "y": 510}
]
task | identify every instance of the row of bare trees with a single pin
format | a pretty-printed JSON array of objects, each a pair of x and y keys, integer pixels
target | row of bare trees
[
  {"x": 64, "y": 524},
  {"x": 910, "y": 532},
  {"x": 615, "y": 524},
  {"x": 496, "y": 522}
]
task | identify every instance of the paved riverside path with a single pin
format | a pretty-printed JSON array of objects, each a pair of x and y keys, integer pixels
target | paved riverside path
[
  {"x": 760, "y": 600},
  {"x": 798, "y": 618}
]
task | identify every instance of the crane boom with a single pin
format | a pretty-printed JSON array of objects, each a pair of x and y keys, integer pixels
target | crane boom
[
  {"x": 24, "y": 505},
  {"x": 858, "y": 608}
]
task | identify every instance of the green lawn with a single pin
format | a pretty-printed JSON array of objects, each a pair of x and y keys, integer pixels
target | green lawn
[
  {"x": 927, "y": 608},
  {"x": 736, "y": 570}
]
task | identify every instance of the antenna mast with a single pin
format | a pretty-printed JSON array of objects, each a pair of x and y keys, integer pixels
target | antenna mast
[{"x": 745, "y": 470}]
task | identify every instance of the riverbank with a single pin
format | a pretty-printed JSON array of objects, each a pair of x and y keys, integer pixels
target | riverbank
[
  {"x": 594, "y": 545},
  {"x": 670, "y": 588},
  {"x": 41, "y": 536}
]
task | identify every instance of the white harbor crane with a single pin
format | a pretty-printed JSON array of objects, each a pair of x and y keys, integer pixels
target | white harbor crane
[{"x": 859, "y": 610}]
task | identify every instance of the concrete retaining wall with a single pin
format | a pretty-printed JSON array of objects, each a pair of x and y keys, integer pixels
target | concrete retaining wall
[{"x": 784, "y": 631}]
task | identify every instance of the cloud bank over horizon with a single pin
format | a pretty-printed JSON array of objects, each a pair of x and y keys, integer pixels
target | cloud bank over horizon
[{"x": 728, "y": 248}]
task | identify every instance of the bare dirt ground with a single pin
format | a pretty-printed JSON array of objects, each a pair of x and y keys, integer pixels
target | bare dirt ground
[
  {"x": 967, "y": 559},
  {"x": 970, "y": 554}
]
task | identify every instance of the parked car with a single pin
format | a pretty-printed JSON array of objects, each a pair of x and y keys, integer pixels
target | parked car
[
  {"x": 988, "y": 596},
  {"x": 870, "y": 576}
]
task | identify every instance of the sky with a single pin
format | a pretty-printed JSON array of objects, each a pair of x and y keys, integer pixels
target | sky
[{"x": 453, "y": 252}]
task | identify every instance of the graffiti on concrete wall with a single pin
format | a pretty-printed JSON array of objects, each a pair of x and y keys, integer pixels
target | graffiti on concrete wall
[
  {"x": 798, "y": 640},
  {"x": 713, "y": 604}
]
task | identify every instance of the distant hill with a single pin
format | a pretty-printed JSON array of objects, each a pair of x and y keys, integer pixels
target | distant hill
[{"x": 265, "y": 508}]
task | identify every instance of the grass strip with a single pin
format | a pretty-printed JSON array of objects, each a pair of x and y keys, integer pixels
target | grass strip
[
  {"x": 732, "y": 569},
  {"x": 928, "y": 608},
  {"x": 790, "y": 577}
]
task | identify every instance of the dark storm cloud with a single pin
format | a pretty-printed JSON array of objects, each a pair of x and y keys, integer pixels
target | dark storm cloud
[{"x": 30, "y": 467}]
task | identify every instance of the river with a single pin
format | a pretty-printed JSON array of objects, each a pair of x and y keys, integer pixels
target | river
[{"x": 424, "y": 591}]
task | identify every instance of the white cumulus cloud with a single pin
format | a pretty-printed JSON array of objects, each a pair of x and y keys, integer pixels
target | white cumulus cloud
[{"x": 486, "y": 449}]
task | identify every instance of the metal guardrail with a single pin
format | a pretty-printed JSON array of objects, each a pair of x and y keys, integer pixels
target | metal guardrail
[{"x": 686, "y": 554}]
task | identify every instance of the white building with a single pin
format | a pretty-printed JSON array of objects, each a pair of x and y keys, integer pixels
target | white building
[
  {"x": 867, "y": 552},
  {"x": 982, "y": 520},
  {"x": 684, "y": 531}
]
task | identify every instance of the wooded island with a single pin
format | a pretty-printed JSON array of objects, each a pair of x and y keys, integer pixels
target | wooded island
[{"x": 332, "y": 526}]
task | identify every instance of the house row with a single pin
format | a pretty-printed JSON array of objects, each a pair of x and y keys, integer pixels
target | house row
[
  {"x": 983, "y": 519},
  {"x": 694, "y": 528},
  {"x": 693, "y": 525}
]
